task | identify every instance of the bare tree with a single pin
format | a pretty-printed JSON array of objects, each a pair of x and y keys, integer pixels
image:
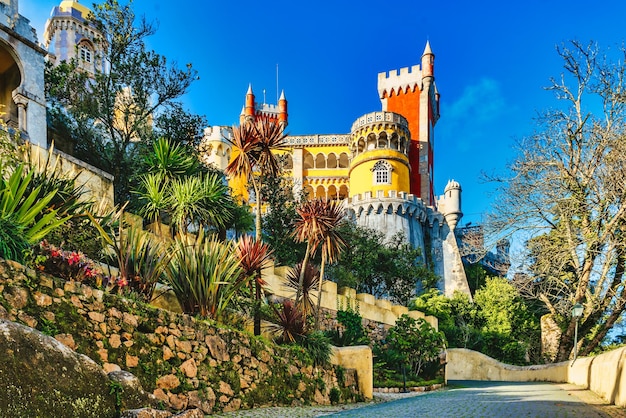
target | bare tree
[{"x": 567, "y": 190}]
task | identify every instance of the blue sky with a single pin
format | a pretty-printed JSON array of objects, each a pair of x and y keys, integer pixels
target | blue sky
[{"x": 493, "y": 59}]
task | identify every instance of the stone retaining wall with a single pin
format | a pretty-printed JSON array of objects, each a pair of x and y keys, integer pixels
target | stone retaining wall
[
  {"x": 184, "y": 362},
  {"x": 603, "y": 374}
]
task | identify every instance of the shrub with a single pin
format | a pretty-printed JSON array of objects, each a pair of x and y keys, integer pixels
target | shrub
[
  {"x": 352, "y": 331},
  {"x": 414, "y": 342},
  {"x": 318, "y": 346},
  {"x": 204, "y": 274}
]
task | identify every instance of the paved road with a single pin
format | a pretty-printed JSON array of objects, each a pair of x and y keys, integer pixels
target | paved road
[
  {"x": 488, "y": 399},
  {"x": 464, "y": 400}
]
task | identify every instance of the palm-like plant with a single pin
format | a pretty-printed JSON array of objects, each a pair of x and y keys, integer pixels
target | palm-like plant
[
  {"x": 170, "y": 159},
  {"x": 310, "y": 278},
  {"x": 204, "y": 274},
  {"x": 332, "y": 245},
  {"x": 254, "y": 256},
  {"x": 318, "y": 223},
  {"x": 254, "y": 146},
  {"x": 289, "y": 324}
]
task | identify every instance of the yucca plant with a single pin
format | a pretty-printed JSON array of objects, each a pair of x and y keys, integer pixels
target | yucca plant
[
  {"x": 204, "y": 274},
  {"x": 254, "y": 256},
  {"x": 318, "y": 224},
  {"x": 254, "y": 145},
  {"x": 310, "y": 279},
  {"x": 24, "y": 211},
  {"x": 288, "y": 325}
]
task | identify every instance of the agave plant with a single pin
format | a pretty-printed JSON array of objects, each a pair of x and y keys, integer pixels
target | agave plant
[
  {"x": 205, "y": 274},
  {"x": 254, "y": 256}
]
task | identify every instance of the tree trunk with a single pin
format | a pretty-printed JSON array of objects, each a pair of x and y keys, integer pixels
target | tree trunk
[
  {"x": 257, "y": 305},
  {"x": 318, "y": 312}
]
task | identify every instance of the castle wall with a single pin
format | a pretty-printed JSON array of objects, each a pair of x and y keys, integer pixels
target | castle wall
[{"x": 19, "y": 40}]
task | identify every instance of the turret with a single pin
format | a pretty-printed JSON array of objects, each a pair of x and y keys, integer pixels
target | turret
[
  {"x": 450, "y": 204},
  {"x": 428, "y": 62},
  {"x": 282, "y": 110},
  {"x": 248, "y": 109}
]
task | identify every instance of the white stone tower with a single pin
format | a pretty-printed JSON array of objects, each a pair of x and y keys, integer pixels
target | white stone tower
[{"x": 69, "y": 35}]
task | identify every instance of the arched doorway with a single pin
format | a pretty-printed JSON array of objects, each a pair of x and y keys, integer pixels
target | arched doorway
[{"x": 10, "y": 79}]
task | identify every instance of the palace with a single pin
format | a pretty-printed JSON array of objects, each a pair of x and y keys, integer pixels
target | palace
[{"x": 383, "y": 168}]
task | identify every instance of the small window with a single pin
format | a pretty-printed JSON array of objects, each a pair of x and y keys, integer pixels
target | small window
[
  {"x": 382, "y": 172},
  {"x": 85, "y": 54}
]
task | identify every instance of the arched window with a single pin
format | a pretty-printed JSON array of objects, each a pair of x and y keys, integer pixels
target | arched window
[
  {"x": 382, "y": 140},
  {"x": 371, "y": 142},
  {"x": 382, "y": 172},
  {"x": 320, "y": 161},
  {"x": 287, "y": 162},
  {"x": 343, "y": 192},
  {"x": 308, "y": 161},
  {"x": 332, "y": 161},
  {"x": 332, "y": 192},
  {"x": 343, "y": 160},
  {"x": 320, "y": 192}
]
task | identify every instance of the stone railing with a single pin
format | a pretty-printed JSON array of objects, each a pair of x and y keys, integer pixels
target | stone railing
[
  {"x": 97, "y": 184},
  {"x": 603, "y": 374}
]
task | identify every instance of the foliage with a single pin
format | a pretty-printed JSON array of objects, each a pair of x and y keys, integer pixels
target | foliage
[
  {"x": 68, "y": 265},
  {"x": 205, "y": 274},
  {"x": 371, "y": 265},
  {"x": 565, "y": 191},
  {"x": 308, "y": 284},
  {"x": 25, "y": 212},
  {"x": 318, "y": 225},
  {"x": 253, "y": 157},
  {"x": 139, "y": 255},
  {"x": 78, "y": 233},
  {"x": 254, "y": 256},
  {"x": 351, "y": 331},
  {"x": 499, "y": 323},
  {"x": 288, "y": 323},
  {"x": 178, "y": 189},
  {"x": 13, "y": 242},
  {"x": 415, "y": 342},
  {"x": 280, "y": 220},
  {"x": 110, "y": 113},
  {"x": 318, "y": 346}
]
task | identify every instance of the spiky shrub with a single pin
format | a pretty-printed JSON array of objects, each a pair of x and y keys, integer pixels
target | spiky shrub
[
  {"x": 141, "y": 258},
  {"x": 254, "y": 256},
  {"x": 13, "y": 242},
  {"x": 24, "y": 211},
  {"x": 204, "y": 274},
  {"x": 317, "y": 344},
  {"x": 310, "y": 279},
  {"x": 288, "y": 323}
]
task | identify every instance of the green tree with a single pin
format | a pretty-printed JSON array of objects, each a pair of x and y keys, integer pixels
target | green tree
[
  {"x": 111, "y": 113},
  {"x": 372, "y": 265},
  {"x": 415, "y": 342},
  {"x": 566, "y": 191},
  {"x": 279, "y": 220}
]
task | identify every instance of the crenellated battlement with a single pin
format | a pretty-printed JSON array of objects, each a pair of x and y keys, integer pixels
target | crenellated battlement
[
  {"x": 304, "y": 140},
  {"x": 374, "y": 118},
  {"x": 406, "y": 78}
]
